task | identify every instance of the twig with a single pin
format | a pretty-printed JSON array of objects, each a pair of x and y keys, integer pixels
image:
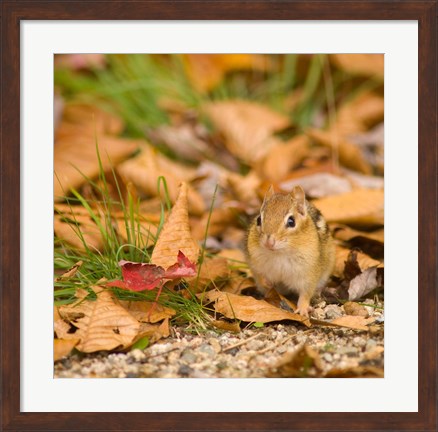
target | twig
[{"x": 241, "y": 342}]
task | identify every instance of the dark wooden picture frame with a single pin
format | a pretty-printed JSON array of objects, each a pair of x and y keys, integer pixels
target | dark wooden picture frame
[{"x": 13, "y": 12}]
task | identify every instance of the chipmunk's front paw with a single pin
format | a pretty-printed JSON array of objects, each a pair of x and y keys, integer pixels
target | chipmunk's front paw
[
  {"x": 304, "y": 311},
  {"x": 304, "y": 307}
]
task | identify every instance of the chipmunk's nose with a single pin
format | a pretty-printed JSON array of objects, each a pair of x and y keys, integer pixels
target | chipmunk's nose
[{"x": 270, "y": 241}]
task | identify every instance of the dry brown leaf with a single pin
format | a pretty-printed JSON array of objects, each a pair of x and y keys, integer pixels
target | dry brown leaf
[
  {"x": 360, "y": 207},
  {"x": 76, "y": 159},
  {"x": 356, "y": 372},
  {"x": 154, "y": 332},
  {"x": 84, "y": 119},
  {"x": 227, "y": 326},
  {"x": 247, "y": 127},
  {"x": 206, "y": 71},
  {"x": 62, "y": 347},
  {"x": 70, "y": 219},
  {"x": 211, "y": 270},
  {"x": 363, "y": 284},
  {"x": 283, "y": 158},
  {"x": 352, "y": 322},
  {"x": 352, "y": 308},
  {"x": 375, "y": 353},
  {"x": 71, "y": 272},
  {"x": 237, "y": 283},
  {"x": 149, "y": 312},
  {"x": 101, "y": 324},
  {"x": 363, "y": 260},
  {"x": 185, "y": 139},
  {"x": 69, "y": 232},
  {"x": 220, "y": 219},
  {"x": 244, "y": 188},
  {"x": 60, "y": 327},
  {"x": 372, "y": 243},
  {"x": 360, "y": 64},
  {"x": 302, "y": 363},
  {"x": 175, "y": 235},
  {"x": 145, "y": 169},
  {"x": 80, "y": 61},
  {"x": 249, "y": 309},
  {"x": 350, "y": 155},
  {"x": 318, "y": 185}
]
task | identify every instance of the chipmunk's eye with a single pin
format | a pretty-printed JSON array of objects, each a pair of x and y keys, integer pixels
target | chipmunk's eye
[
  {"x": 290, "y": 222},
  {"x": 259, "y": 221}
]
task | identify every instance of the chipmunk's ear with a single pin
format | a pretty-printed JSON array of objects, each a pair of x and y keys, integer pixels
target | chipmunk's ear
[
  {"x": 268, "y": 194},
  {"x": 299, "y": 197}
]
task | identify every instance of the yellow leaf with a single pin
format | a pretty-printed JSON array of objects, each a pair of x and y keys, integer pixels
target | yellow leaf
[{"x": 175, "y": 235}]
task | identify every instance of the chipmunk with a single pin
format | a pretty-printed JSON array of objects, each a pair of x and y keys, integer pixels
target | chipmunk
[{"x": 290, "y": 248}]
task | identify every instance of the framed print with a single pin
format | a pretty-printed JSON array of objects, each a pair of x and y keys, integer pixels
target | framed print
[{"x": 264, "y": 121}]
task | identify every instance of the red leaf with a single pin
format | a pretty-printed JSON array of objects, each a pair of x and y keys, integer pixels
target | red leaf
[
  {"x": 183, "y": 268},
  {"x": 138, "y": 276}
]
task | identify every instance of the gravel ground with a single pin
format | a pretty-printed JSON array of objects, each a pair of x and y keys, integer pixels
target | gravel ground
[{"x": 251, "y": 353}]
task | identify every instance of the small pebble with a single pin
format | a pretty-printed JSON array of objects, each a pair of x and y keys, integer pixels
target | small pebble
[{"x": 333, "y": 312}]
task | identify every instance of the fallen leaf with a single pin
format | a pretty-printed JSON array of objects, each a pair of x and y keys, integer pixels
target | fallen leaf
[
  {"x": 70, "y": 273},
  {"x": 86, "y": 119},
  {"x": 187, "y": 140},
  {"x": 138, "y": 276},
  {"x": 364, "y": 283},
  {"x": 239, "y": 284},
  {"x": 80, "y": 61},
  {"x": 81, "y": 232},
  {"x": 144, "y": 311},
  {"x": 352, "y": 308},
  {"x": 211, "y": 270},
  {"x": 76, "y": 159},
  {"x": 375, "y": 353},
  {"x": 284, "y": 157},
  {"x": 76, "y": 226},
  {"x": 247, "y": 127},
  {"x": 360, "y": 206},
  {"x": 154, "y": 332},
  {"x": 304, "y": 362},
  {"x": 62, "y": 347},
  {"x": 350, "y": 155},
  {"x": 318, "y": 185},
  {"x": 352, "y": 322},
  {"x": 142, "y": 276},
  {"x": 145, "y": 169},
  {"x": 372, "y": 243},
  {"x": 360, "y": 64},
  {"x": 249, "y": 309},
  {"x": 355, "y": 372},
  {"x": 227, "y": 326},
  {"x": 217, "y": 221},
  {"x": 206, "y": 71},
  {"x": 101, "y": 324},
  {"x": 175, "y": 235},
  {"x": 244, "y": 188},
  {"x": 342, "y": 256}
]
